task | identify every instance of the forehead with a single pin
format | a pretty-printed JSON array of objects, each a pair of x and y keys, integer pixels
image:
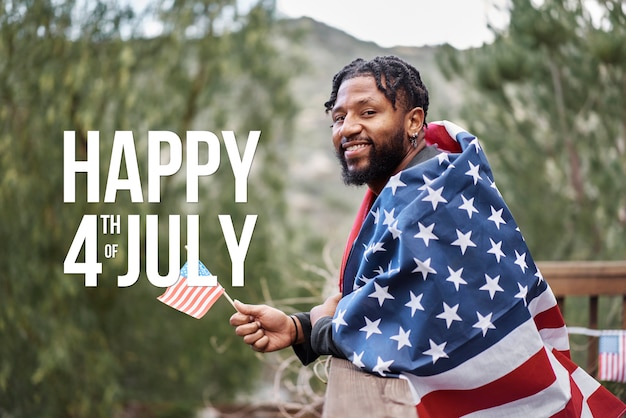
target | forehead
[{"x": 359, "y": 90}]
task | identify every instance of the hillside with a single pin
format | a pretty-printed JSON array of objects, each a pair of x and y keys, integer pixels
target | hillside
[{"x": 318, "y": 198}]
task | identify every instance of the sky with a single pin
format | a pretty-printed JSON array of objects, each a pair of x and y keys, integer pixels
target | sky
[{"x": 461, "y": 23}]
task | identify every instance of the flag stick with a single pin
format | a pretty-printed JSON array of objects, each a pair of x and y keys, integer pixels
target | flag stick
[
  {"x": 225, "y": 294},
  {"x": 230, "y": 300}
]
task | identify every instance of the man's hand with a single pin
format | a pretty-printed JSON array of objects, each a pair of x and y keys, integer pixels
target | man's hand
[
  {"x": 325, "y": 309},
  {"x": 262, "y": 327}
]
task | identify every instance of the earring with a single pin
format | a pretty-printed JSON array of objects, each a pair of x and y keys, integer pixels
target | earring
[{"x": 413, "y": 139}]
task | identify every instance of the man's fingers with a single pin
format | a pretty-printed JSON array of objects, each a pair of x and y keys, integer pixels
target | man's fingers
[
  {"x": 250, "y": 310},
  {"x": 239, "y": 306},
  {"x": 239, "y": 319},
  {"x": 247, "y": 329},
  {"x": 253, "y": 337},
  {"x": 248, "y": 321},
  {"x": 246, "y": 313},
  {"x": 260, "y": 345}
]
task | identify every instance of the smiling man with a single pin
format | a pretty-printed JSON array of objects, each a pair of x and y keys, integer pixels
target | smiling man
[
  {"x": 437, "y": 284},
  {"x": 370, "y": 131}
]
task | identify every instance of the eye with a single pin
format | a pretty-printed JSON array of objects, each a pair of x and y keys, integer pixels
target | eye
[
  {"x": 337, "y": 119},
  {"x": 369, "y": 113}
]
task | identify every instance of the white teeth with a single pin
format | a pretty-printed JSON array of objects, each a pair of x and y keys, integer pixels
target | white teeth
[{"x": 355, "y": 147}]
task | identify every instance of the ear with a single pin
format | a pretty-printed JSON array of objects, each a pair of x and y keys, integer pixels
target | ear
[{"x": 414, "y": 120}]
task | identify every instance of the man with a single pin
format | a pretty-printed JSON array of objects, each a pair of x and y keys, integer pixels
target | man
[{"x": 437, "y": 284}]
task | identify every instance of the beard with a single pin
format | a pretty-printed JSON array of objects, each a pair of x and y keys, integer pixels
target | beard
[{"x": 383, "y": 160}]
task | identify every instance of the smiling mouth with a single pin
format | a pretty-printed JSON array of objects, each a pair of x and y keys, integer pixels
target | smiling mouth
[{"x": 356, "y": 147}]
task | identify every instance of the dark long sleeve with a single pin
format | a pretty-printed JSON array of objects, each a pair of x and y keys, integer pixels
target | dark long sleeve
[{"x": 318, "y": 339}]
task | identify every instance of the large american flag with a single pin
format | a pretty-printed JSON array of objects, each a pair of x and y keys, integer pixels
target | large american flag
[{"x": 440, "y": 289}]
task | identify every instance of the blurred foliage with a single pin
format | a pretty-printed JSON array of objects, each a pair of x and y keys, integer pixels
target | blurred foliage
[
  {"x": 548, "y": 100},
  {"x": 72, "y": 351}
]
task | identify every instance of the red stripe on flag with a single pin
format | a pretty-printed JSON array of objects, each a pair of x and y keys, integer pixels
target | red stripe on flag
[
  {"x": 550, "y": 318},
  {"x": 437, "y": 134},
  {"x": 536, "y": 374},
  {"x": 575, "y": 405},
  {"x": 192, "y": 300},
  {"x": 173, "y": 292},
  {"x": 205, "y": 301},
  {"x": 603, "y": 404}
]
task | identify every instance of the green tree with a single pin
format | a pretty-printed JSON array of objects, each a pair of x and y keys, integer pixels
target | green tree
[
  {"x": 73, "y": 351},
  {"x": 547, "y": 98}
]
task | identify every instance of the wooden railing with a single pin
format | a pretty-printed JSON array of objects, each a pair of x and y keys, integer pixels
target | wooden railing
[
  {"x": 590, "y": 279},
  {"x": 352, "y": 393}
]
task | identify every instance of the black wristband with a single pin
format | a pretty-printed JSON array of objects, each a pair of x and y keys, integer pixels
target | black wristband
[{"x": 295, "y": 340}]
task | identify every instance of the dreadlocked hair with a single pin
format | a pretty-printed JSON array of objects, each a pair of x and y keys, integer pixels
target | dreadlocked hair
[{"x": 392, "y": 75}]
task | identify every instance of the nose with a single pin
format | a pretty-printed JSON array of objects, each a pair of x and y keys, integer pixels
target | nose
[{"x": 350, "y": 127}]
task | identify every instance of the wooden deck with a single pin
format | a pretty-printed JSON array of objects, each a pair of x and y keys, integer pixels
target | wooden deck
[{"x": 352, "y": 393}]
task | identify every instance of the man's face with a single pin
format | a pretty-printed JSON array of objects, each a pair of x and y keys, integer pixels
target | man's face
[{"x": 368, "y": 133}]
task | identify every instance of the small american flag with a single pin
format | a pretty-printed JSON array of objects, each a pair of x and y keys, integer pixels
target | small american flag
[
  {"x": 440, "y": 289},
  {"x": 192, "y": 300},
  {"x": 612, "y": 357}
]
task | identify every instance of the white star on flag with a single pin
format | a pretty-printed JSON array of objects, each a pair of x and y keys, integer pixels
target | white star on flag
[
  {"x": 494, "y": 187},
  {"x": 365, "y": 279},
  {"x": 395, "y": 182},
  {"x": 474, "y": 172},
  {"x": 443, "y": 157},
  {"x": 371, "y": 327},
  {"x": 423, "y": 267},
  {"x": 376, "y": 214},
  {"x": 468, "y": 205},
  {"x": 491, "y": 285},
  {"x": 381, "y": 270},
  {"x": 382, "y": 366},
  {"x": 436, "y": 350},
  {"x": 415, "y": 303},
  {"x": 395, "y": 232},
  {"x": 338, "y": 320},
  {"x": 426, "y": 233},
  {"x": 373, "y": 248},
  {"x": 476, "y": 144},
  {"x": 389, "y": 218},
  {"x": 434, "y": 197},
  {"x": 449, "y": 314},
  {"x": 357, "y": 359},
  {"x": 496, "y": 249},
  {"x": 455, "y": 277},
  {"x": 520, "y": 260},
  {"x": 496, "y": 217},
  {"x": 523, "y": 291},
  {"x": 381, "y": 294},
  {"x": 484, "y": 323},
  {"x": 402, "y": 338},
  {"x": 427, "y": 182},
  {"x": 463, "y": 240}
]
